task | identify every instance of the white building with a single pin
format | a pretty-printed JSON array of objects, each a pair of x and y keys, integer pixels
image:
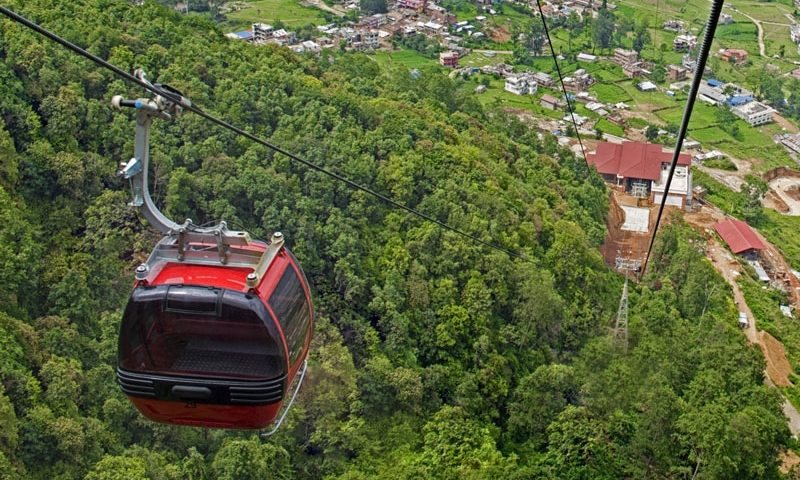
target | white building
[
  {"x": 684, "y": 42},
  {"x": 647, "y": 87},
  {"x": 754, "y": 113},
  {"x": 522, "y": 84},
  {"x": 262, "y": 32},
  {"x": 680, "y": 188},
  {"x": 588, "y": 58}
]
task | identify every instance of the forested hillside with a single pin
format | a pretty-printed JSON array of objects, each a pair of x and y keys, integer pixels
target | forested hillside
[{"x": 433, "y": 357}]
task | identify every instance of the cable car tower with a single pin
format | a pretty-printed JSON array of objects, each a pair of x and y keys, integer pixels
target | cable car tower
[
  {"x": 218, "y": 326},
  {"x": 620, "y": 333}
]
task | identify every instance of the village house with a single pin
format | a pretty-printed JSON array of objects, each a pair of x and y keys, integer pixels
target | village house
[
  {"x": 521, "y": 84},
  {"x": 647, "y": 86},
  {"x": 578, "y": 81},
  {"x": 550, "y": 102},
  {"x": 282, "y": 37},
  {"x": 449, "y": 59},
  {"x": 642, "y": 170},
  {"x": 624, "y": 57},
  {"x": 733, "y": 55},
  {"x": 633, "y": 70},
  {"x": 439, "y": 14},
  {"x": 683, "y": 43},
  {"x": 673, "y": 25},
  {"x": 417, "y": 5},
  {"x": 586, "y": 57},
  {"x": 676, "y": 73},
  {"x": 725, "y": 19},
  {"x": 711, "y": 94},
  {"x": 543, "y": 79}
]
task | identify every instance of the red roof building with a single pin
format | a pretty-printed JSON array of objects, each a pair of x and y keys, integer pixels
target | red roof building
[
  {"x": 633, "y": 160},
  {"x": 739, "y": 236},
  {"x": 642, "y": 169}
]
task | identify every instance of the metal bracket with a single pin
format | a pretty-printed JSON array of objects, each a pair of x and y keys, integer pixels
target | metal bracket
[{"x": 167, "y": 106}]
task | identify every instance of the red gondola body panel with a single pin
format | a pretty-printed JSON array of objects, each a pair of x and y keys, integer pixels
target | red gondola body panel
[{"x": 199, "y": 347}]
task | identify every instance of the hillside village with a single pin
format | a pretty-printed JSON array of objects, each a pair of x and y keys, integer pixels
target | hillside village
[{"x": 625, "y": 82}]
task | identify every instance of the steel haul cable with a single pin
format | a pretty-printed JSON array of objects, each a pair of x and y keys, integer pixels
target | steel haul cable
[
  {"x": 711, "y": 26},
  {"x": 175, "y": 98},
  {"x": 561, "y": 79}
]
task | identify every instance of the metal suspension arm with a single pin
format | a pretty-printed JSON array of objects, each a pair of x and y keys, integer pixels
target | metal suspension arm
[{"x": 136, "y": 170}]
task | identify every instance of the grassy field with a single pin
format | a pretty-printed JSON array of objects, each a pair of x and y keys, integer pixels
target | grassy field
[
  {"x": 479, "y": 60},
  {"x": 290, "y": 12},
  {"x": 408, "y": 58},
  {"x": 611, "y": 128},
  {"x": 609, "y": 93},
  {"x": 740, "y": 34}
]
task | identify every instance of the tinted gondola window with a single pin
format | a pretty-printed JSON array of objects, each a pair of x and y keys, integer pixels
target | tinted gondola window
[
  {"x": 289, "y": 303},
  {"x": 198, "y": 331}
]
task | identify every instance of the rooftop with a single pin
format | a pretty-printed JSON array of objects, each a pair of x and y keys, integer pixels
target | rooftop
[
  {"x": 738, "y": 235},
  {"x": 633, "y": 159}
]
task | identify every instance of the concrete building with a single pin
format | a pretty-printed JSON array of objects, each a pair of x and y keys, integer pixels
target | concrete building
[
  {"x": 642, "y": 169},
  {"x": 586, "y": 57},
  {"x": 262, "y": 32},
  {"x": 418, "y": 5},
  {"x": 676, "y": 73},
  {"x": 624, "y": 57},
  {"x": 754, "y": 113},
  {"x": 647, "y": 87},
  {"x": 521, "y": 84},
  {"x": 550, "y": 102},
  {"x": 684, "y": 43},
  {"x": 543, "y": 79},
  {"x": 449, "y": 59},
  {"x": 580, "y": 80},
  {"x": 733, "y": 55},
  {"x": 673, "y": 25}
]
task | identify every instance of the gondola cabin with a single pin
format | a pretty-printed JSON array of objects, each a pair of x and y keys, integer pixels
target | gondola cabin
[{"x": 212, "y": 336}]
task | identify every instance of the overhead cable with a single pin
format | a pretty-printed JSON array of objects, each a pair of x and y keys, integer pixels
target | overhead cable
[
  {"x": 180, "y": 101},
  {"x": 702, "y": 56},
  {"x": 561, "y": 79}
]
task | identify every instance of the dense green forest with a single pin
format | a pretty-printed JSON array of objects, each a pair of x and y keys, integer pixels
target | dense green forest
[{"x": 433, "y": 357}]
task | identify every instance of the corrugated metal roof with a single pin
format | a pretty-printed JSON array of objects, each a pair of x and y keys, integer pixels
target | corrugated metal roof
[{"x": 739, "y": 236}]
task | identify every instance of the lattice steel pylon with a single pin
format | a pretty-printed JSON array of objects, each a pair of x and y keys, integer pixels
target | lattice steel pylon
[{"x": 620, "y": 333}]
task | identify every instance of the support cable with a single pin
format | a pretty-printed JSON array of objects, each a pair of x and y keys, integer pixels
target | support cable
[
  {"x": 561, "y": 79},
  {"x": 705, "y": 48},
  {"x": 172, "y": 96}
]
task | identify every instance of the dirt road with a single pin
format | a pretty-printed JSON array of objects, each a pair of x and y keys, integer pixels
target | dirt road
[
  {"x": 336, "y": 10},
  {"x": 761, "y": 48},
  {"x": 781, "y": 186},
  {"x": 778, "y": 367}
]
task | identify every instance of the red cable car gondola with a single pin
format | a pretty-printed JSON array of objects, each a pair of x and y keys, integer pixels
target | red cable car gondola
[{"x": 217, "y": 326}]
